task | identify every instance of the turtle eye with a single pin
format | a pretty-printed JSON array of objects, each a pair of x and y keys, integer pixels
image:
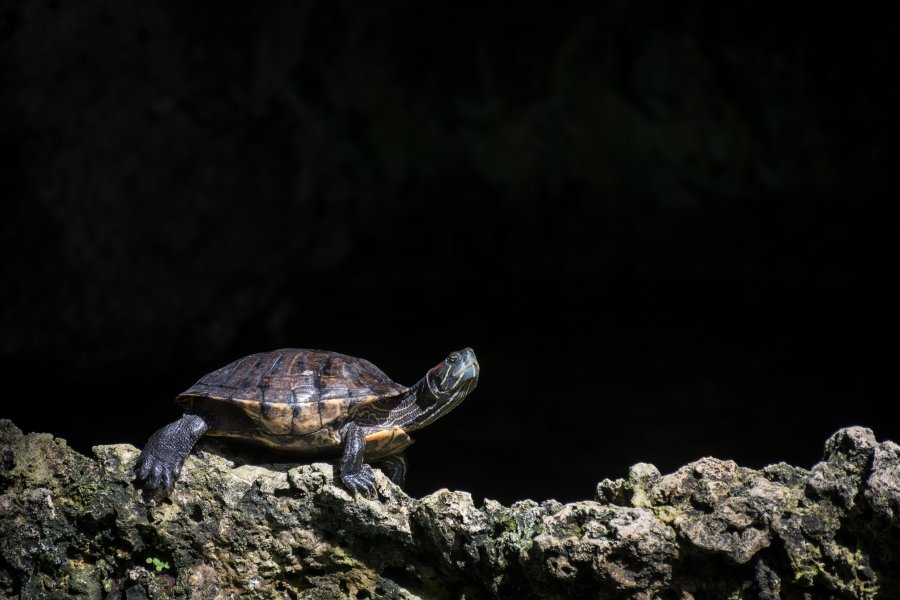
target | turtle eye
[{"x": 453, "y": 357}]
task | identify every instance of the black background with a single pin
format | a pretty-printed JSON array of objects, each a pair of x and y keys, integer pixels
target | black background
[{"x": 666, "y": 228}]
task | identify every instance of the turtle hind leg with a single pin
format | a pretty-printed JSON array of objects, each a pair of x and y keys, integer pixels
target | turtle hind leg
[
  {"x": 395, "y": 467},
  {"x": 159, "y": 464}
]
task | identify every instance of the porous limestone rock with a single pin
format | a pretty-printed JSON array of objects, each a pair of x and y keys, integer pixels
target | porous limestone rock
[{"x": 76, "y": 527}]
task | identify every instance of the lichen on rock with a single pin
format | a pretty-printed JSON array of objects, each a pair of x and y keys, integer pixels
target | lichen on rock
[{"x": 76, "y": 527}]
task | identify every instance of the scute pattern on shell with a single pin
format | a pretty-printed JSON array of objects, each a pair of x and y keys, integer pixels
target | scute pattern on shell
[
  {"x": 292, "y": 394},
  {"x": 296, "y": 376}
]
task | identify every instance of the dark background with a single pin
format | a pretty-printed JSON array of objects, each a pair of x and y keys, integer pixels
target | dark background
[{"x": 665, "y": 227}]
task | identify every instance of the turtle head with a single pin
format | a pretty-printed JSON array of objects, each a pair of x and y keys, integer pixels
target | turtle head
[{"x": 445, "y": 386}]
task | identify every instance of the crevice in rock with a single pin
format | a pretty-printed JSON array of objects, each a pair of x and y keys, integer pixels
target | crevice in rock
[{"x": 9, "y": 583}]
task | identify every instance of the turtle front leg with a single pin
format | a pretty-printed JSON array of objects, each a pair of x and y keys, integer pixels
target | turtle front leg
[
  {"x": 355, "y": 474},
  {"x": 159, "y": 464}
]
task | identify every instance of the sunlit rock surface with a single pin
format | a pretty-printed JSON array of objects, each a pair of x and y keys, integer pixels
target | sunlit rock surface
[{"x": 75, "y": 527}]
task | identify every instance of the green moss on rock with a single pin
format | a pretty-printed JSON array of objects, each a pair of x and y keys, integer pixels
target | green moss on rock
[{"x": 75, "y": 527}]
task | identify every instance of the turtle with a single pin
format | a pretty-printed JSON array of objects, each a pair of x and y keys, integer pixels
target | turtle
[{"x": 310, "y": 403}]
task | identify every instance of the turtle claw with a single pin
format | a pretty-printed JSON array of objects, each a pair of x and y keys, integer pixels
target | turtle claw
[
  {"x": 141, "y": 470},
  {"x": 167, "y": 480},
  {"x": 156, "y": 473},
  {"x": 361, "y": 483}
]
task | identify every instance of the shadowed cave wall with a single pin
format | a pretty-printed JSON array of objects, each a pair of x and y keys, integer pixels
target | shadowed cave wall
[{"x": 664, "y": 227}]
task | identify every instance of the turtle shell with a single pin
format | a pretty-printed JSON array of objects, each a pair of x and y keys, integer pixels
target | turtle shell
[{"x": 291, "y": 393}]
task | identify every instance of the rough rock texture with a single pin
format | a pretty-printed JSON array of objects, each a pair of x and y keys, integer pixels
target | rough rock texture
[{"x": 75, "y": 527}]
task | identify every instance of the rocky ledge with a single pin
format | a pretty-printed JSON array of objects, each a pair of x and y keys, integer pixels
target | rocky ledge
[{"x": 73, "y": 526}]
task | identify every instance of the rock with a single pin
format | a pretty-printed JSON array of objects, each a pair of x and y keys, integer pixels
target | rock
[
  {"x": 75, "y": 527},
  {"x": 882, "y": 492}
]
